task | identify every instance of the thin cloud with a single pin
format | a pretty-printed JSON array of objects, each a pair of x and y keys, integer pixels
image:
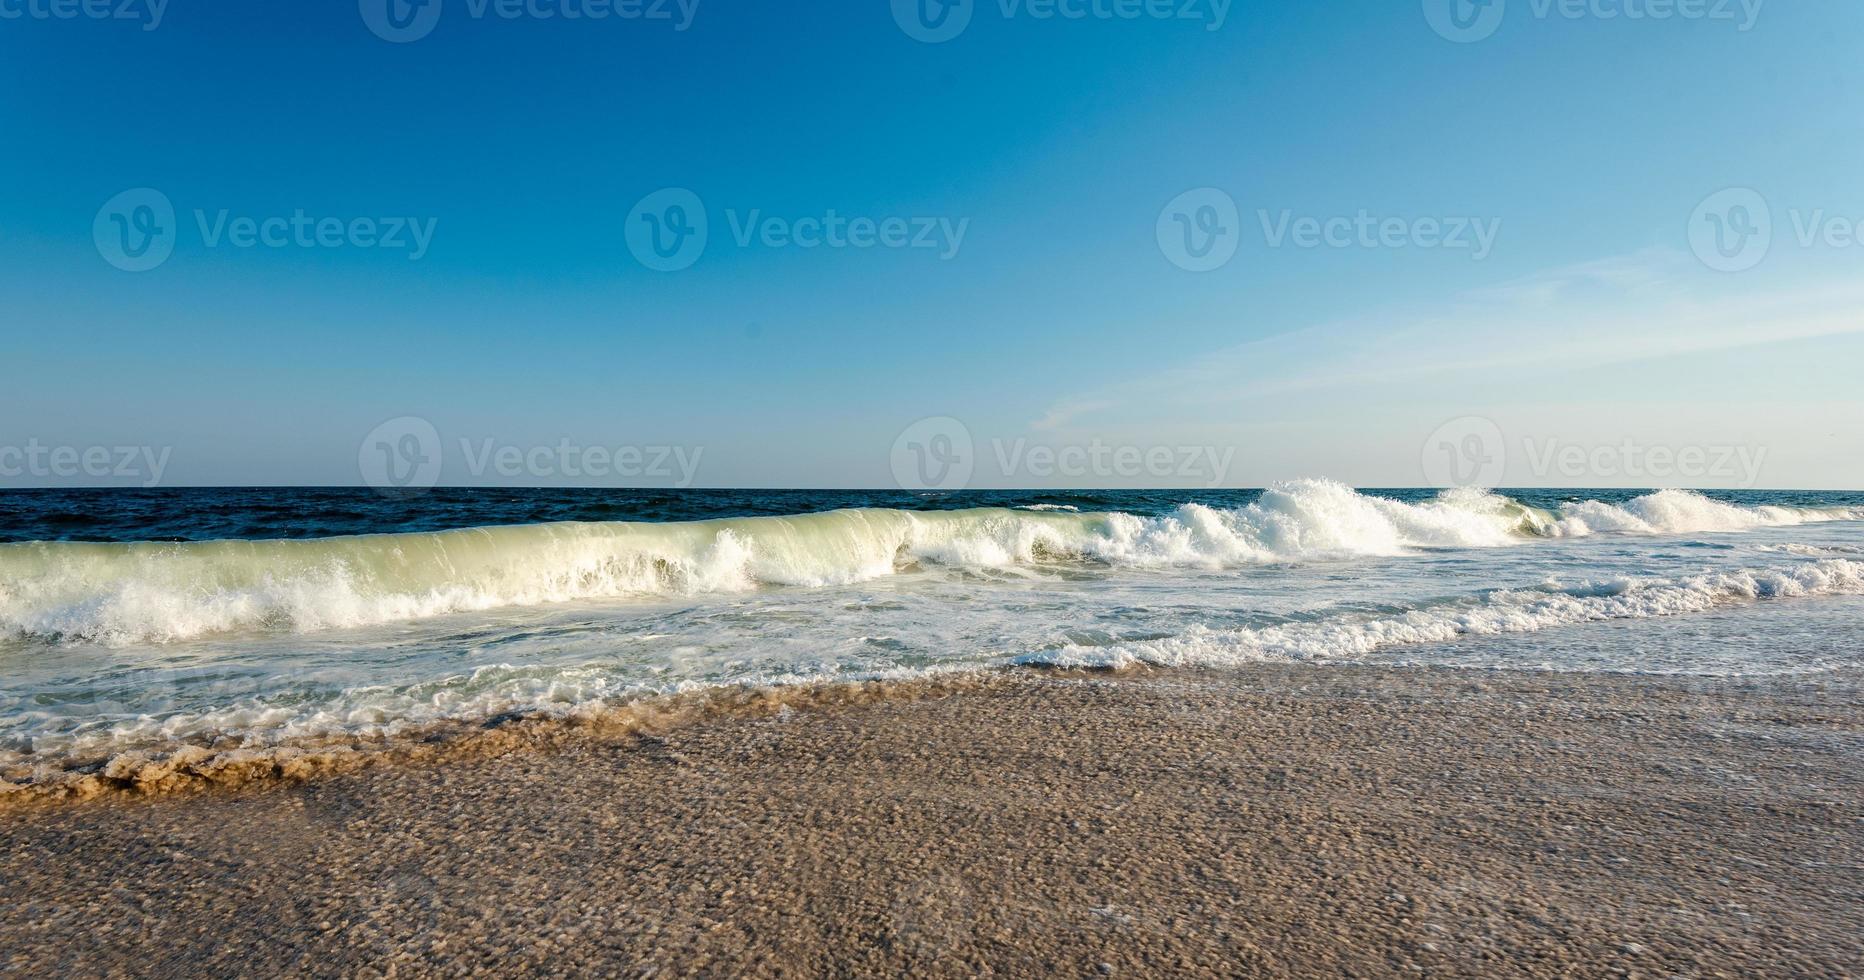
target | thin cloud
[{"x": 1648, "y": 304}]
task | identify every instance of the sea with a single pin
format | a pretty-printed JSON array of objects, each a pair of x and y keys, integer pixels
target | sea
[{"x": 140, "y": 621}]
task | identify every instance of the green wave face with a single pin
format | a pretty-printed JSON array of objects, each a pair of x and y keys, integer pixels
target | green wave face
[{"x": 151, "y": 592}]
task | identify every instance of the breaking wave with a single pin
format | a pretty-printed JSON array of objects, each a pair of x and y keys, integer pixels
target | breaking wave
[{"x": 159, "y": 592}]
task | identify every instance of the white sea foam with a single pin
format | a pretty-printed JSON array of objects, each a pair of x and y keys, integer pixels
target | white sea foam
[
  {"x": 154, "y": 593},
  {"x": 51, "y": 735},
  {"x": 1683, "y": 512},
  {"x": 1351, "y": 636}
]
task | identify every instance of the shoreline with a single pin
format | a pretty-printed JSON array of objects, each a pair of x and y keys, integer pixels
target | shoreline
[
  {"x": 1278, "y": 820},
  {"x": 194, "y": 766},
  {"x": 189, "y": 767}
]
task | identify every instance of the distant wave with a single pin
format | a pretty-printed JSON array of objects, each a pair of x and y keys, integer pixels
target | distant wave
[
  {"x": 150, "y": 592},
  {"x": 1683, "y": 512}
]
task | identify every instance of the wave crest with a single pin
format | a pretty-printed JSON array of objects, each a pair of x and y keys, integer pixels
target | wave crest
[{"x": 130, "y": 593}]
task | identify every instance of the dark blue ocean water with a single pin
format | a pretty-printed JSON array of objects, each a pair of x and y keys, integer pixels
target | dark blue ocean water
[{"x": 206, "y": 514}]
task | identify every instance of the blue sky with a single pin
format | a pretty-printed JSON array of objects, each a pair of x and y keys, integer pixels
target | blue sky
[{"x": 1585, "y": 143}]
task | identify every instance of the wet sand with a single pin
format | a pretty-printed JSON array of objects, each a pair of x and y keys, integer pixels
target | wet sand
[{"x": 1279, "y": 821}]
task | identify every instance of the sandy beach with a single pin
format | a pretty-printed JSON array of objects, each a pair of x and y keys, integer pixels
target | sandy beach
[{"x": 1280, "y": 821}]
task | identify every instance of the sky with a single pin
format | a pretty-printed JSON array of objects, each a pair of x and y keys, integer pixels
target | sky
[{"x": 995, "y": 243}]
